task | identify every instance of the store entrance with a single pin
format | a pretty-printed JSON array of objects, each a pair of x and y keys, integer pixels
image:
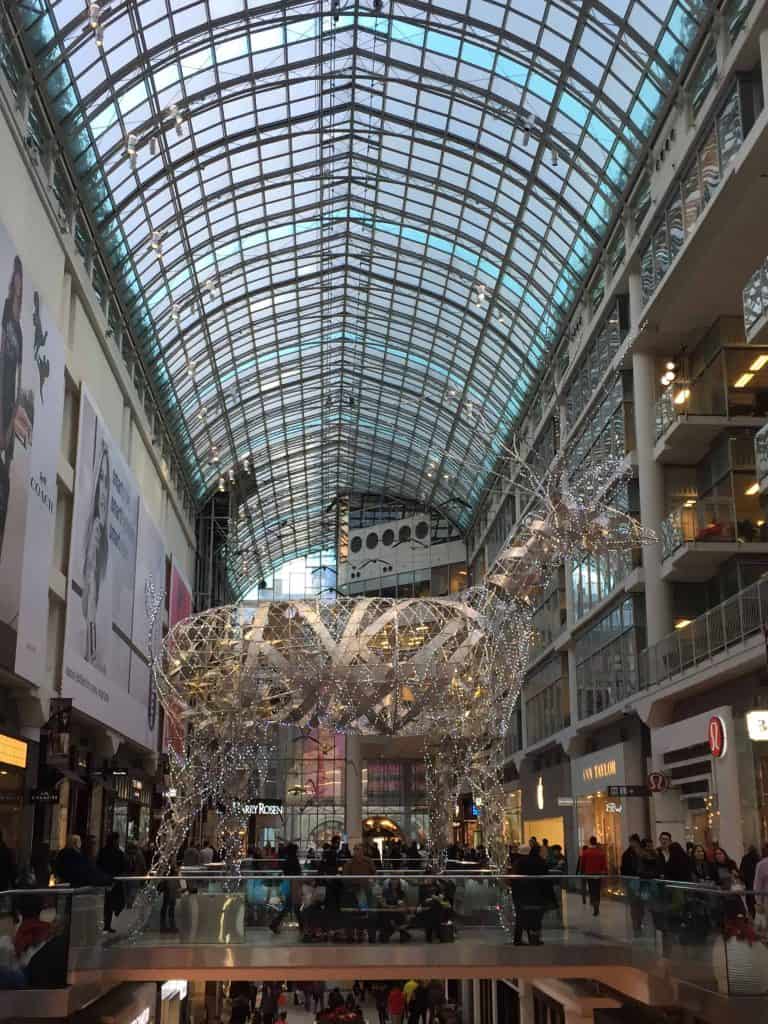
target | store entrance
[{"x": 600, "y": 816}]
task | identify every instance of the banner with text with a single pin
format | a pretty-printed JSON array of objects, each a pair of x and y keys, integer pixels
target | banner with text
[
  {"x": 31, "y": 409},
  {"x": 102, "y": 571}
]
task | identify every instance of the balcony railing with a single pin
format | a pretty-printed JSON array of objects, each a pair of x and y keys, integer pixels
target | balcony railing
[
  {"x": 717, "y": 630},
  {"x": 755, "y": 299},
  {"x": 761, "y": 455},
  {"x": 263, "y": 923},
  {"x": 713, "y": 521}
]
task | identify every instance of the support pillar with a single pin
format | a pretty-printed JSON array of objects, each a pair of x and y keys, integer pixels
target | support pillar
[
  {"x": 764, "y": 59},
  {"x": 353, "y": 790},
  {"x": 525, "y": 993},
  {"x": 467, "y": 1001},
  {"x": 658, "y": 604}
]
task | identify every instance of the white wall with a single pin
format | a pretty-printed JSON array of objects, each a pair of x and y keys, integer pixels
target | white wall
[{"x": 91, "y": 359}]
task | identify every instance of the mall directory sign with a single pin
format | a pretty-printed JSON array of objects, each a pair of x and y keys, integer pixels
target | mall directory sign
[
  {"x": 106, "y": 592},
  {"x": 31, "y": 410}
]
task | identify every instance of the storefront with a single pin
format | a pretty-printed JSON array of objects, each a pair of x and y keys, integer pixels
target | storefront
[
  {"x": 598, "y": 810},
  {"x": 545, "y": 787},
  {"x": 128, "y": 808},
  {"x": 513, "y": 817},
  {"x": 13, "y": 765},
  {"x": 701, "y": 802}
]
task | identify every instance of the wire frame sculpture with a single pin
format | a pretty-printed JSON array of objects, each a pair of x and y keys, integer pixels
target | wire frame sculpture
[
  {"x": 361, "y": 665},
  {"x": 447, "y": 669}
]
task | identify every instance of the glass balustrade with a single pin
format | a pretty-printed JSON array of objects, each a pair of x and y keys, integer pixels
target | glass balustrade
[{"x": 713, "y": 938}]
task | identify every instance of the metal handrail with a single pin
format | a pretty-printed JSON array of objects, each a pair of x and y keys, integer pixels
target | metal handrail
[{"x": 717, "y": 630}]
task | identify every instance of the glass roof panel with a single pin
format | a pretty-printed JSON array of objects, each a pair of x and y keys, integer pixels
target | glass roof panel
[{"x": 334, "y": 230}]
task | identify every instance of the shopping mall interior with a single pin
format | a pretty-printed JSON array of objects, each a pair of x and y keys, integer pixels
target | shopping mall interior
[{"x": 384, "y": 408}]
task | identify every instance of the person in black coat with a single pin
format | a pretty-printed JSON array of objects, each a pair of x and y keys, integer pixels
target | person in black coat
[
  {"x": 530, "y": 896},
  {"x": 7, "y": 866},
  {"x": 112, "y": 862},
  {"x": 71, "y": 865}
]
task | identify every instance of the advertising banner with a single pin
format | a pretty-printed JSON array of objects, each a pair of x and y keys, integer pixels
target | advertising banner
[
  {"x": 150, "y": 568},
  {"x": 179, "y": 607},
  {"x": 100, "y": 598},
  {"x": 31, "y": 409}
]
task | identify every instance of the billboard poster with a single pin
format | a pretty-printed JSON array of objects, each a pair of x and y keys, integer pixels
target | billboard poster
[
  {"x": 179, "y": 607},
  {"x": 31, "y": 409},
  {"x": 100, "y": 596},
  {"x": 150, "y": 567}
]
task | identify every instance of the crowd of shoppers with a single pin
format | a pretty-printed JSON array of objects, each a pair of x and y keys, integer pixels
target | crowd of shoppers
[{"x": 413, "y": 1002}]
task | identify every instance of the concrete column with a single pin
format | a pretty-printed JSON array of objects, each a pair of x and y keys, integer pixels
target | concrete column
[
  {"x": 467, "y": 1001},
  {"x": 353, "y": 790},
  {"x": 658, "y": 605},
  {"x": 527, "y": 1013},
  {"x": 635, "y": 288},
  {"x": 722, "y": 41},
  {"x": 764, "y": 59},
  {"x": 477, "y": 1002}
]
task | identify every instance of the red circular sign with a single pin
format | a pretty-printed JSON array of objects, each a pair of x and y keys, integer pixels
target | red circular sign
[
  {"x": 657, "y": 782},
  {"x": 716, "y": 736}
]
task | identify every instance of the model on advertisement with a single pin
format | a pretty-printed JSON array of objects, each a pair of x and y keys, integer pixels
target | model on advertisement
[
  {"x": 31, "y": 409},
  {"x": 15, "y": 421},
  {"x": 96, "y": 557}
]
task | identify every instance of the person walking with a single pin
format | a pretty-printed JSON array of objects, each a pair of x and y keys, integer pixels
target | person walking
[
  {"x": 7, "y": 866},
  {"x": 380, "y": 995},
  {"x": 134, "y": 865},
  {"x": 528, "y": 894},
  {"x": 747, "y": 870},
  {"x": 292, "y": 870},
  {"x": 395, "y": 1005},
  {"x": 593, "y": 865},
  {"x": 418, "y": 1005},
  {"x": 580, "y": 871},
  {"x": 112, "y": 862},
  {"x": 662, "y": 852},
  {"x": 358, "y": 889}
]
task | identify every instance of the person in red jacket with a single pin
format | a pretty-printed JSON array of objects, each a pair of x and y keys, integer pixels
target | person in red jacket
[{"x": 594, "y": 863}]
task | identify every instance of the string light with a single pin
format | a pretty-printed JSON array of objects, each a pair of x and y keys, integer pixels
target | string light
[{"x": 449, "y": 669}]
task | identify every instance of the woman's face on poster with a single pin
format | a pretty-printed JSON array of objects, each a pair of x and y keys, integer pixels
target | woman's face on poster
[
  {"x": 103, "y": 489},
  {"x": 17, "y": 291}
]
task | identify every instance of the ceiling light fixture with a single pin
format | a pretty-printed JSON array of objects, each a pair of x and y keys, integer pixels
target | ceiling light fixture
[
  {"x": 682, "y": 623},
  {"x": 743, "y": 380},
  {"x": 130, "y": 148},
  {"x": 752, "y": 489},
  {"x": 759, "y": 363}
]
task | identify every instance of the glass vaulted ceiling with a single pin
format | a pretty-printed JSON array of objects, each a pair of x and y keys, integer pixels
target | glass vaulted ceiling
[{"x": 365, "y": 215}]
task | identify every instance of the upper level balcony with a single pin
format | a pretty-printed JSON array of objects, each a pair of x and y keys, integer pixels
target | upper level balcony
[
  {"x": 755, "y": 302},
  {"x": 722, "y": 384},
  {"x": 455, "y": 925},
  {"x": 761, "y": 458},
  {"x": 734, "y": 625},
  {"x": 696, "y": 540}
]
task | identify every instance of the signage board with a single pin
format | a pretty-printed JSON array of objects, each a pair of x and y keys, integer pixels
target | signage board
[
  {"x": 13, "y": 751},
  {"x": 658, "y": 782},
  {"x": 627, "y": 790},
  {"x": 267, "y": 807},
  {"x": 757, "y": 725},
  {"x": 44, "y": 796},
  {"x": 717, "y": 737}
]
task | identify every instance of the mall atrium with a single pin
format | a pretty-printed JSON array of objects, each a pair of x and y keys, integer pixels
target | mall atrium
[{"x": 383, "y": 511}]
